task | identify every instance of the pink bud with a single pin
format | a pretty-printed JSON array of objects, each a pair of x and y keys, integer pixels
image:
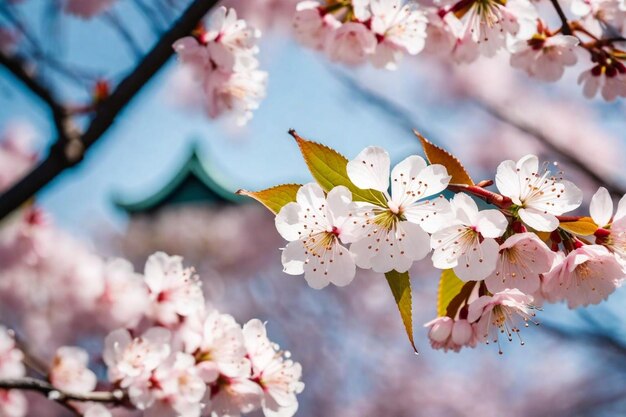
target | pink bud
[
  {"x": 441, "y": 329},
  {"x": 462, "y": 332}
]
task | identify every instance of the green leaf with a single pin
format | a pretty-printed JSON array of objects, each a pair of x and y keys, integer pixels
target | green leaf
[
  {"x": 437, "y": 155},
  {"x": 585, "y": 226},
  {"x": 274, "y": 198},
  {"x": 400, "y": 284},
  {"x": 449, "y": 287},
  {"x": 328, "y": 167}
]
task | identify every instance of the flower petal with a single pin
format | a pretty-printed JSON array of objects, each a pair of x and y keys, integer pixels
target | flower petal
[
  {"x": 478, "y": 262},
  {"x": 491, "y": 223},
  {"x": 507, "y": 180},
  {"x": 538, "y": 220},
  {"x": 370, "y": 169},
  {"x": 601, "y": 207},
  {"x": 293, "y": 258}
]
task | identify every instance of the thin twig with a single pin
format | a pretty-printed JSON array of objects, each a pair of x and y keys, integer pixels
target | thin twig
[
  {"x": 565, "y": 29},
  {"x": 60, "y": 396},
  {"x": 61, "y": 157}
]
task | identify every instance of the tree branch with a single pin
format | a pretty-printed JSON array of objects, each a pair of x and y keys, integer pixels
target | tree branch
[
  {"x": 65, "y": 154},
  {"x": 54, "y": 394},
  {"x": 565, "y": 29}
]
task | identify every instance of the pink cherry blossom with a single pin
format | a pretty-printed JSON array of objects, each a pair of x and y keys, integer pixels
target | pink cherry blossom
[
  {"x": 500, "y": 313},
  {"x": 13, "y": 403},
  {"x": 523, "y": 258},
  {"x": 468, "y": 245},
  {"x": 613, "y": 228},
  {"x": 448, "y": 334},
  {"x": 11, "y": 365},
  {"x": 609, "y": 79},
  {"x": 97, "y": 410},
  {"x": 350, "y": 43},
  {"x": 545, "y": 58},
  {"x": 311, "y": 25},
  {"x": 587, "y": 275},
  {"x": 175, "y": 291},
  {"x": 69, "y": 371},
  {"x": 317, "y": 226},
  {"x": 278, "y": 376}
]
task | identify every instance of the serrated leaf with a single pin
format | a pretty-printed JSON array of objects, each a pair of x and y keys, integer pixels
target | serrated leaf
[
  {"x": 400, "y": 284},
  {"x": 437, "y": 155},
  {"x": 274, "y": 198},
  {"x": 449, "y": 287},
  {"x": 328, "y": 167},
  {"x": 585, "y": 226}
]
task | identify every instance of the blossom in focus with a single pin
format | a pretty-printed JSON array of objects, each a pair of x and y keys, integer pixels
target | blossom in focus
[
  {"x": 448, "y": 334},
  {"x": 468, "y": 245},
  {"x": 500, "y": 313},
  {"x": 545, "y": 57},
  {"x": 278, "y": 375},
  {"x": 587, "y": 275},
  {"x": 86, "y": 9},
  {"x": 222, "y": 57},
  {"x": 175, "y": 291},
  {"x": 537, "y": 195},
  {"x": 393, "y": 232},
  {"x": 523, "y": 257},
  {"x": 317, "y": 226},
  {"x": 613, "y": 228},
  {"x": 69, "y": 371}
]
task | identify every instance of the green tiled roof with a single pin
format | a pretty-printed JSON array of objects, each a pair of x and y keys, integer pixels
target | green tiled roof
[{"x": 195, "y": 183}]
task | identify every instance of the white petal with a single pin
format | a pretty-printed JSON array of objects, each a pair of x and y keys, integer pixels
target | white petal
[
  {"x": 621, "y": 209},
  {"x": 311, "y": 196},
  {"x": 479, "y": 261},
  {"x": 293, "y": 258},
  {"x": 339, "y": 203},
  {"x": 370, "y": 169},
  {"x": 538, "y": 220},
  {"x": 507, "y": 181},
  {"x": 491, "y": 223},
  {"x": 404, "y": 176},
  {"x": 432, "y": 215},
  {"x": 465, "y": 209},
  {"x": 601, "y": 207},
  {"x": 288, "y": 222},
  {"x": 571, "y": 197}
]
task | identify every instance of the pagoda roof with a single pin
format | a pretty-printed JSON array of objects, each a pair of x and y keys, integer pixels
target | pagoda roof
[{"x": 196, "y": 182}]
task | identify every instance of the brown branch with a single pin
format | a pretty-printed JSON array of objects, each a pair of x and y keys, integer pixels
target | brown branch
[
  {"x": 54, "y": 394},
  {"x": 490, "y": 197},
  {"x": 65, "y": 154},
  {"x": 565, "y": 29}
]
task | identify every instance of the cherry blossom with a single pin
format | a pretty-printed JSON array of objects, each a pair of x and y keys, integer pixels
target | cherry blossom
[
  {"x": 316, "y": 226},
  {"x": 222, "y": 59},
  {"x": 177, "y": 388},
  {"x": 97, "y": 410},
  {"x": 448, "y": 334},
  {"x": 278, "y": 375},
  {"x": 12, "y": 402},
  {"x": 500, "y": 313},
  {"x": 612, "y": 233},
  {"x": 69, "y": 371},
  {"x": 351, "y": 43},
  {"x": 174, "y": 291},
  {"x": 399, "y": 29},
  {"x": 468, "y": 245},
  {"x": 490, "y": 23},
  {"x": 538, "y": 197},
  {"x": 608, "y": 78},
  {"x": 131, "y": 361},
  {"x": 393, "y": 231},
  {"x": 311, "y": 25},
  {"x": 545, "y": 57},
  {"x": 587, "y": 275},
  {"x": 523, "y": 258}
]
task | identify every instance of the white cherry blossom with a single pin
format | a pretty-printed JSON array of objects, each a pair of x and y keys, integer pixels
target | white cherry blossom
[
  {"x": 587, "y": 275},
  {"x": 393, "y": 231},
  {"x": 537, "y": 195},
  {"x": 523, "y": 257},
  {"x": 468, "y": 244},
  {"x": 316, "y": 225}
]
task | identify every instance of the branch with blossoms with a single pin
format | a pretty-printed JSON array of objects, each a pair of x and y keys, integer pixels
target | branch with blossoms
[
  {"x": 172, "y": 355},
  {"x": 68, "y": 149},
  {"x": 498, "y": 264},
  {"x": 383, "y": 31}
]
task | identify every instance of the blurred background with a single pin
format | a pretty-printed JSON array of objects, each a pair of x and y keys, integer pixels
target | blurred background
[{"x": 163, "y": 177}]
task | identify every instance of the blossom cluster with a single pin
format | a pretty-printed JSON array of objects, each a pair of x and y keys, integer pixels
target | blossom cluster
[
  {"x": 507, "y": 259},
  {"x": 382, "y": 31},
  {"x": 221, "y": 56}
]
